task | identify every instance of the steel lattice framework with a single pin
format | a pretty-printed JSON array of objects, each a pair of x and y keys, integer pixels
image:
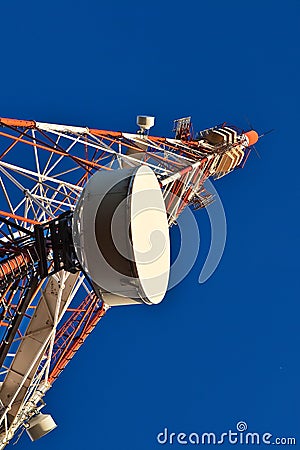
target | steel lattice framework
[{"x": 43, "y": 169}]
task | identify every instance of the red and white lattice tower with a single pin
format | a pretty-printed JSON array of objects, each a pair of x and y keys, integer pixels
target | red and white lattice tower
[{"x": 48, "y": 307}]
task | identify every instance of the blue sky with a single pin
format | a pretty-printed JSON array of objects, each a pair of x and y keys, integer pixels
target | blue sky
[{"x": 213, "y": 354}]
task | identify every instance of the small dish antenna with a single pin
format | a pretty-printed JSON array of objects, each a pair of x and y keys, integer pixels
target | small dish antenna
[{"x": 145, "y": 123}]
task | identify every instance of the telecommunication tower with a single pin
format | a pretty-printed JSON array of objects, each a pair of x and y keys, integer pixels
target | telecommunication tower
[{"x": 62, "y": 263}]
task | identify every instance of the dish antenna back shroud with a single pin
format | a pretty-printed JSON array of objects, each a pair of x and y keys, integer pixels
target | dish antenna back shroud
[{"x": 121, "y": 236}]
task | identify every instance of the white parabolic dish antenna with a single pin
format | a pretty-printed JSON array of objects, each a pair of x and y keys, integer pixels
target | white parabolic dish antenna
[{"x": 121, "y": 236}]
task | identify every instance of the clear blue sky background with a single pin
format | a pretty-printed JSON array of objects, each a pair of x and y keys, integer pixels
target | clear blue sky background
[{"x": 211, "y": 354}]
